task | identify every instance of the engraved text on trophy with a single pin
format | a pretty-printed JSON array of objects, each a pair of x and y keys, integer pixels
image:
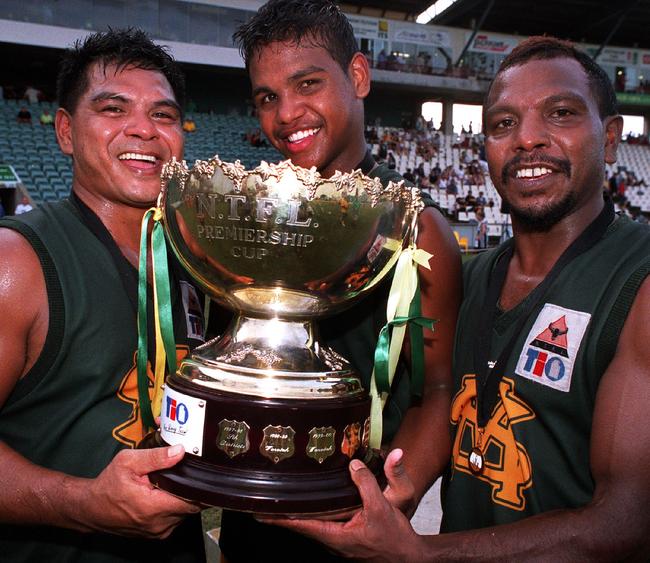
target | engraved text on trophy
[
  {"x": 321, "y": 443},
  {"x": 277, "y": 443},
  {"x": 233, "y": 437},
  {"x": 252, "y": 226}
]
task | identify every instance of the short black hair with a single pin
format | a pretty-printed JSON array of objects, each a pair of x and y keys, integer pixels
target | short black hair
[
  {"x": 120, "y": 47},
  {"x": 545, "y": 47},
  {"x": 320, "y": 23}
]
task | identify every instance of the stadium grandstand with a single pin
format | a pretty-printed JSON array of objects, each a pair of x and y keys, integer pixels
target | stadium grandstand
[{"x": 446, "y": 61}]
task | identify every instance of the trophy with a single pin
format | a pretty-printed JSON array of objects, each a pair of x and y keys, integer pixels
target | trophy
[{"x": 269, "y": 416}]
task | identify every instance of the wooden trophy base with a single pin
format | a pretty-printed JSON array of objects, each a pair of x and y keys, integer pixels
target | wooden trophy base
[{"x": 267, "y": 456}]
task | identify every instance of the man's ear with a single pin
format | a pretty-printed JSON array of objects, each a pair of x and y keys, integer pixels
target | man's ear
[
  {"x": 63, "y": 127},
  {"x": 359, "y": 74},
  {"x": 613, "y": 131}
]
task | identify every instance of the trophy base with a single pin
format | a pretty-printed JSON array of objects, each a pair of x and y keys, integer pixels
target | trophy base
[
  {"x": 261, "y": 455},
  {"x": 321, "y": 494}
]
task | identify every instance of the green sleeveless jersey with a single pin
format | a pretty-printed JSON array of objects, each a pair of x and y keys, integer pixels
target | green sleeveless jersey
[
  {"x": 78, "y": 405},
  {"x": 536, "y": 443}
]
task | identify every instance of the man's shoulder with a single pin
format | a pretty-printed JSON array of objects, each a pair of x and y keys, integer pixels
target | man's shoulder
[
  {"x": 21, "y": 269},
  {"x": 634, "y": 228},
  {"x": 478, "y": 265},
  {"x": 47, "y": 222},
  {"x": 43, "y": 213},
  {"x": 386, "y": 174},
  {"x": 625, "y": 240},
  {"x": 18, "y": 235}
]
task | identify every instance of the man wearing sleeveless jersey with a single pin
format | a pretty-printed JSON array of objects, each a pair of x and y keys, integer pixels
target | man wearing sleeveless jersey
[
  {"x": 551, "y": 452},
  {"x": 70, "y": 414},
  {"x": 309, "y": 82}
]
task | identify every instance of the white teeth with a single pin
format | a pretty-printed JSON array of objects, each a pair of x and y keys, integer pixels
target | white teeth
[
  {"x": 137, "y": 156},
  {"x": 532, "y": 172},
  {"x": 299, "y": 135}
]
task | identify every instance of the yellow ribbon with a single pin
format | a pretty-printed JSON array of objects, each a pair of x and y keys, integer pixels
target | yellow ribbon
[{"x": 402, "y": 290}]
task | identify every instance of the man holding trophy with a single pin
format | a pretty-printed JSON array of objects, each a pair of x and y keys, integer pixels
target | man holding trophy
[
  {"x": 70, "y": 412},
  {"x": 309, "y": 81}
]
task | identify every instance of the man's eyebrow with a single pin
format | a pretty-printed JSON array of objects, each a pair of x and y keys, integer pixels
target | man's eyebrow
[
  {"x": 105, "y": 95},
  {"x": 298, "y": 75},
  {"x": 566, "y": 97},
  {"x": 102, "y": 96},
  {"x": 168, "y": 102},
  {"x": 554, "y": 99},
  {"x": 305, "y": 71},
  {"x": 260, "y": 90}
]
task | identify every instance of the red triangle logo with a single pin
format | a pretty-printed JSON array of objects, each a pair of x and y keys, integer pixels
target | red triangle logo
[{"x": 554, "y": 338}]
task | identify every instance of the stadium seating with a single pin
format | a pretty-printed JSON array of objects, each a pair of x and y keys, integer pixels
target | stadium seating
[
  {"x": 33, "y": 152},
  {"x": 223, "y": 135},
  {"x": 637, "y": 159}
]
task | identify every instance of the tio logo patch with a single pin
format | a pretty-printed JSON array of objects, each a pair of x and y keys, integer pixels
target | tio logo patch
[
  {"x": 549, "y": 355},
  {"x": 176, "y": 411},
  {"x": 183, "y": 421}
]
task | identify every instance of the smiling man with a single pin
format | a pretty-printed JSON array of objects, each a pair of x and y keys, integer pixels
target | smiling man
[
  {"x": 310, "y": 100},
  {"x": 68, "y": 334},
  {"x": 551, "y": 451},
  {"x": 309, "y": 82}
]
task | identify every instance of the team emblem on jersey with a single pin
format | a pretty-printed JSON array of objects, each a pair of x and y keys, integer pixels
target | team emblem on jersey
[
  {"x": 504, "y": 462},
  {"x": 549, "y": 355},
  {"x": 132, "y": 430}
]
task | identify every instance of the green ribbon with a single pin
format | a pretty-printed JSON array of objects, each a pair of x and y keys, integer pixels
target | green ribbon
[
  {"x": 161, "y": 279},
  {"x": 163, "y": 312},
  {"x": 416, "y": 323}
]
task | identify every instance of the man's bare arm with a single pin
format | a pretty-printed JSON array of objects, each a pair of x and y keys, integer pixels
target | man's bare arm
[
  {"x": 121, "y": 499},
  {"x": 25, "y": 313}
]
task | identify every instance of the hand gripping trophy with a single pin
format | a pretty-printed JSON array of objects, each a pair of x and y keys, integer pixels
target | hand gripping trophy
[{"x": 269, "y": 416}]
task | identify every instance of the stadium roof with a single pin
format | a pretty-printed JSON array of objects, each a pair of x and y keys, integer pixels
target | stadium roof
[{"x": 623, "y": 23}]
